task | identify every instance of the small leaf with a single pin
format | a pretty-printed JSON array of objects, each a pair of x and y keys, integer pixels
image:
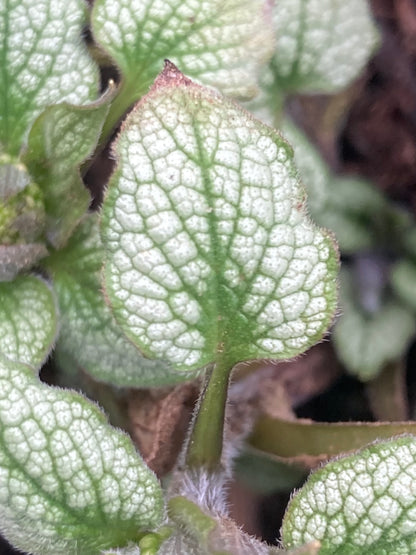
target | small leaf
[
  {"x": 14, "y": 258},
  {"x": 70, "y": 483},
  {"x": 364, "y": 503},
  {"x": 322, "y": 45},
  {"x": 366, "y": 341},
  {"x": 43, "y": 62},
  {"x": 211, "y": 255},
  {"x": 89, "y": 334},
  {"x": 61, "y": 138},
  {"x": 28, "y": 320}
]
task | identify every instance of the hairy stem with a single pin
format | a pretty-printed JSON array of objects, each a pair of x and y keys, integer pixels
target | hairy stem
[{"x": 205, "y": 443}]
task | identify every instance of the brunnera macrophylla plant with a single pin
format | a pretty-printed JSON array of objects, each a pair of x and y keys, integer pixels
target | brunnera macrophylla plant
[{"x": 202, "y": 256}]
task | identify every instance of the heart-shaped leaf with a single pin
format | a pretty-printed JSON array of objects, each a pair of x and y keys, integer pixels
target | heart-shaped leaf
[
  {"x": 211, "y": 254},
  {"x": 361, "y": 504},
  {"x": 43, "y": 62},
  {"x": 61, "y": 138},
  {"x": 89, "y": 334},
  {"x": 28, "y": 320},
  {"x": 70, "y": 483},
  {"x": 321, "y": 44}
]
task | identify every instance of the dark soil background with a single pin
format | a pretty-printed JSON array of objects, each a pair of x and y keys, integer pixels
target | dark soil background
[{"x": 368, "y": 130}]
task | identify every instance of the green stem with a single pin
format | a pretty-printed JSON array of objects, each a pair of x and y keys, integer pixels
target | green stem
[
  {"x": 127, "y": 95},
  {"x": 118, "y": 108},
  {"x": 205, "y": 443}
]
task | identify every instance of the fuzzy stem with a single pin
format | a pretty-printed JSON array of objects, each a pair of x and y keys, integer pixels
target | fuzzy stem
[{"x": 205, "y": 443}]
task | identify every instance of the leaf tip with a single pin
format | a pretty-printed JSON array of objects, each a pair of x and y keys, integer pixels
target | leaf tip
[{"x": 170, "y": 75}]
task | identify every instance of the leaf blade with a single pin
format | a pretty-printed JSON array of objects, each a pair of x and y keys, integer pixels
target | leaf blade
[
  {"x": 88, "y": 332},
  {"x": 43, "y": 62},
  {"x": 194, "y": 254},
  {"x": 78, "y": 484},
  {"x": 361, "y": 503},
  {"x": 28, "y": 320},
  {"x": 321, "y": 45},
  {"x": 220, "y": 43}
]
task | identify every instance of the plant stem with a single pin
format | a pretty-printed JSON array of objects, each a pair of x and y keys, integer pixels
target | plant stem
[
  {"x": 119, "y": 106},
  {"x": 126, "y": 96},
  {"x": 205, "y": 444},
  {"x": 128, "y": 93}
]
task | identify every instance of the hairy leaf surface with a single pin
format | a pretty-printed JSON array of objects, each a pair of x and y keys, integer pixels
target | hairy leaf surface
[
  {"x": 361, "y": 504},
  {"x": 70, "y": 483},
  {"x": 211, "y": 254}
]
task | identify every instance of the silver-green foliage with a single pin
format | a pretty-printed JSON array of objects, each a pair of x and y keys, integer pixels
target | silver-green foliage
[
  {"x": 222, "y": 43},
  {"x": 89, "y": 336},
  {"x": 70, "y": 483},
  {"x": 211, "y": 254},
  {"x": 360, "y": 504}
]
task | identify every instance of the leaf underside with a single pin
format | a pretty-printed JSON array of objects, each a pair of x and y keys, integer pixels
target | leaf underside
[{"x": 62, "y": 137}]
